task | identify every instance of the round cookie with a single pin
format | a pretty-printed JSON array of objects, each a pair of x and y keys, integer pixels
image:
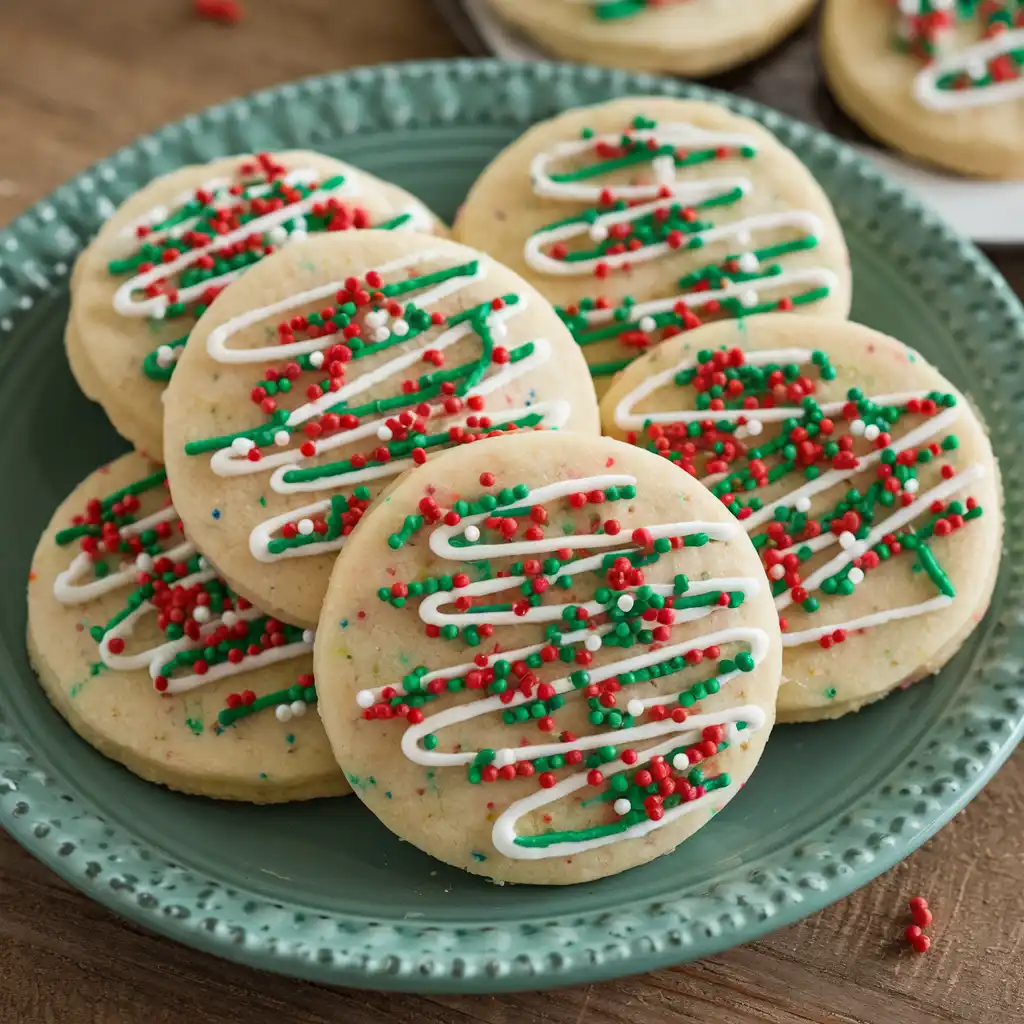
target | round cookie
[
  {"x": 232, "y": 721},
  {"x": 163, "y": 256},
  {"x": 876, "y": 587},
  {"x": 562, "y": 671},
  {"x": 685, "y": 37},
  {"x": 942, "y": 80},
  {"x": 427, "y": 344},
  {"x": 641, "y": 217}
]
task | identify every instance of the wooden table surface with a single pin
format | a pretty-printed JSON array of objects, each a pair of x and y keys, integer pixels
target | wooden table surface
[{"x": 77, "y": 80}]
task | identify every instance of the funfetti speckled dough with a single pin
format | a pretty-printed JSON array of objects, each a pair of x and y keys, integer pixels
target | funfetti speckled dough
[
  {"x": 168, "y": 250},
  {"x": 864, "y": 478},
  {"x": 154, "y": 662},
  {"x": 941, "y": 81},
  {"x": 686, "y": 37},
  {"x": 555, "y": 656},
  {"x": 328, "y": 370},
  {"x": 642, "y": 217}
]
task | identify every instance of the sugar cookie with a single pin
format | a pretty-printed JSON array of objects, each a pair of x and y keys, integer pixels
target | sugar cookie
[
  {"x": 555, "y": 655},
  {"x": 942, "y": 80},
  {"x": 640, "y": 217},
  {"x": 685, "y": 37},
  {"x": 166, "y": 252},
  {"x": 331, "y": 368},
  {"x": 839, "y": 449},
  {"x": 157, "y": 664}
]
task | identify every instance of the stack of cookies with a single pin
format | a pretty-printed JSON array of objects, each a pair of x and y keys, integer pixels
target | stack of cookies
[{"x": 549, "y": 543}]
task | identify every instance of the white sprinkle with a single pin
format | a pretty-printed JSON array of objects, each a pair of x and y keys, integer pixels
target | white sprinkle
[
  {"x": 910, "y": 7},
  {"x": 298, "y": 236},
  {"x": 298, "y": 708},
  {"x": 748, "y": 263},
  {"x": 316, "y": 360},
  {"x": 871, "y": 432},
  {"x": 283, "y": 713},
  {"x": 647, "y": 324},
  {"x": 159, "y": 312},
  {"x": 754, "y": 427},
  {"x": 281, "y": 438},
  {"x": 680, "y": 762},
  {"x": 305, "y": 527},
  {"x": 365, "y": 698},
  {"x": 977, "y": 69},
  {"x": 144, "y": 563},
  {"x": 504, "y": 757},
  {"x": 242, "y": 445},
  {"x": 204, "y": 562},
  {"x": 776, "y": 572},
  {"x": 376, "y": 318},
  {"x": 857, "y": 427},
  {"x": 277, "y": 235},
  {"x": 803, "y": 504},
  {"x": 748, "y": 298},
  {"x": 625, "y": 602},
  {"x": 911, "y": 485},
  {"x": 622, "y": 806},
  {"x": 400, "y": 328},
  {"x": 472, "y": 534},
  {"x": 598, "y": 232},
  {"x": 855, "y": 575},
  {"x": 847, "y": 540},
  {"x": 308, "y": 636},
  {"x": 381, "y": 334},
  {"x": 165, "y": 355},
  {"x": 635, "y": 708},
  {"x": 384, "y": 433},
  {"x": 201, "y": 613},
  {"x": 229, "y": 618},
  {"x": 593, "y": 643}
]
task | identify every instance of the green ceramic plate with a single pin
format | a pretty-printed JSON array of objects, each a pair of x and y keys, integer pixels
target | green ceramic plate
[{"x": 324, "y": 891}]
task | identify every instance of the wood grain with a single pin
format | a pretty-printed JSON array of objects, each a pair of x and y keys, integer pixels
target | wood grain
[{"x": 79, "y": 79}]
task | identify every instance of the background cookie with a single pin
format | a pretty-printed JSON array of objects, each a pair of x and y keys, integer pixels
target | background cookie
[
  {"x": 922, "y": 76},
  {"x": 398, "y": 345},
  {"x": 877, "y": 510},
  {"x": 687, "y": 37},
  {"x": 641, "y": 217},
  {"x": 542, "y": 565},
  {"x": 220, "y": 727},
  {"x": 122, "y": 341}
]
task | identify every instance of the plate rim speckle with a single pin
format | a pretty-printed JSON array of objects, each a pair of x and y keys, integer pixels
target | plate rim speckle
[{"x": 805, "y": 873}]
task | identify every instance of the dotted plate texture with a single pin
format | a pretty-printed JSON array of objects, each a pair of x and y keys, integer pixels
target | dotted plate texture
[{"x": 322, "y": 890}]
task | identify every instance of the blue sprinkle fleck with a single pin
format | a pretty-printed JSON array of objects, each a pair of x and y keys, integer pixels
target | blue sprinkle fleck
[
  {"x": 290, "y": 737},
  {"x": 476, "y": 855},
  {"x": 263, "y": 775},
  {"x": 388, "y": 794},
  {"x": 343, "y": 623},
  {"x": 215, "y": 513}
]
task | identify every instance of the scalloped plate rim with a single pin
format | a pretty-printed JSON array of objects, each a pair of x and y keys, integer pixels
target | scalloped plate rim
[{"x": 618, "y": 959}]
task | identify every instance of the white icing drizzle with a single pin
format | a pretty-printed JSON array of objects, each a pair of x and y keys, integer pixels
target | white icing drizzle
[
  {"x": 227, "y": 462},
  {"x": 626, "y": 418},
  {"x": 128, "y": 304},
  {"x": 67, "y": 588},
  {"x": 678, "y": 733},
  {"x": 680, "y": 190},
  {"x": 926, "y": 90},
  {"x": 69, "y": 591}
]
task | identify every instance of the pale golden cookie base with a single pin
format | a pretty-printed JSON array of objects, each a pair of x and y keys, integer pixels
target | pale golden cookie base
[
  {"x": 873, "y": 82},
  {"x": 107, "y": 350},
  {"x": 121, "y": 715},
  {"x": 438, "y": 810},
  {"x": 691, "y": 39},
  {"x": 880, "y": 659}
]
